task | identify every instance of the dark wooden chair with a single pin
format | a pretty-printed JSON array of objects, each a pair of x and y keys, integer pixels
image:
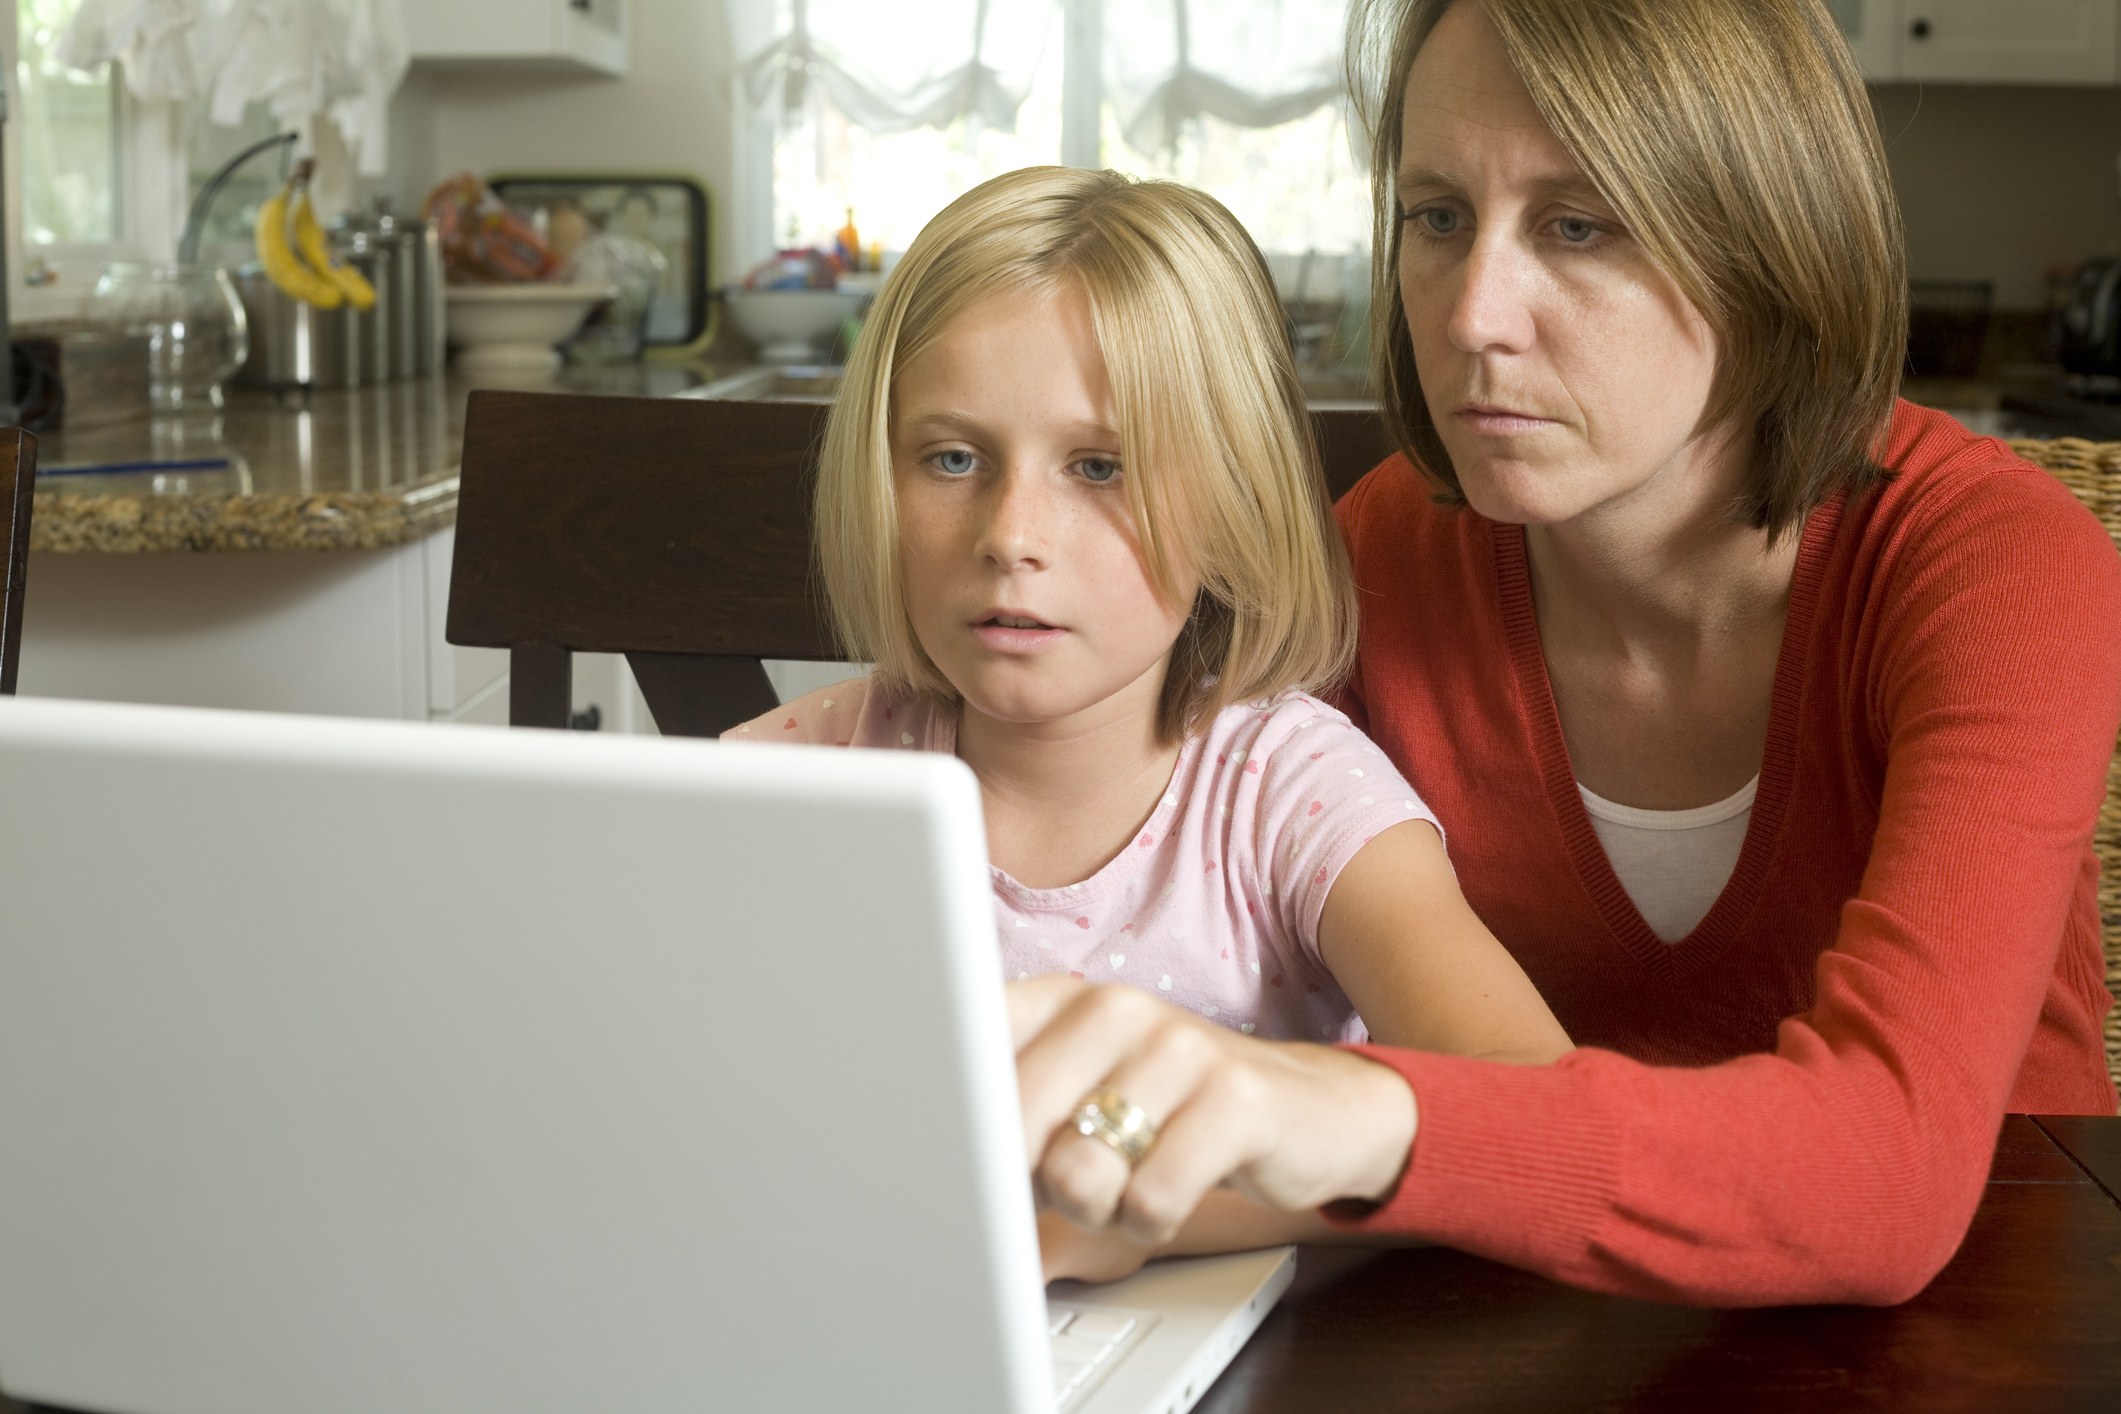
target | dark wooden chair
[
  {"x": 673, "y": 530},
  {"x": 18, "y": 492}
]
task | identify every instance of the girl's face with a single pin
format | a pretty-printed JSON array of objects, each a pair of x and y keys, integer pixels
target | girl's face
[
  {"x": 1024, "y": 575},
  {"x": 1564, "y": 370}
]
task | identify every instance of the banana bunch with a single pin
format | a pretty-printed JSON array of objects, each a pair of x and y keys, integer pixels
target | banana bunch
[{"x": 292, "y": 250}]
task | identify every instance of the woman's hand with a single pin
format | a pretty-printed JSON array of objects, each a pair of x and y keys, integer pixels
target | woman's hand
[
  {"x": 1065, "y": 1250},
  {"x": 1290, "y": 1126}
]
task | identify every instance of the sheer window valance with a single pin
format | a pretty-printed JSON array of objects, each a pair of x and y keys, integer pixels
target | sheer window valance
[{"x": 1254, "y": 63}]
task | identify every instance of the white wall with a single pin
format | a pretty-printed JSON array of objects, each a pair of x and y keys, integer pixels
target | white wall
[
  {"x": 670, "y": 114},
  {"x": 1998, "y": 182}
]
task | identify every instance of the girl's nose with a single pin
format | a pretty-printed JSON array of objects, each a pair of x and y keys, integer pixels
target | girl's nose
[
  {"x": 1016, "y": 527},
  {"x": 1492, "y": 311}
]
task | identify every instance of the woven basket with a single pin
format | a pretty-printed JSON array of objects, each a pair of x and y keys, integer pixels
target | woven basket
[{"x": 2092, "y": 472}]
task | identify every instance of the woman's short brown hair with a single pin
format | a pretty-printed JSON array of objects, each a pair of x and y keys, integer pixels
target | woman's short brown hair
[
  {"x": 1735, "y": 140},
  {"x": 1222, "y": 472}
]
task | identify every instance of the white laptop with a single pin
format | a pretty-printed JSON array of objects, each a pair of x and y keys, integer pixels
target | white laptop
[{"x": 353, "y": 1066}]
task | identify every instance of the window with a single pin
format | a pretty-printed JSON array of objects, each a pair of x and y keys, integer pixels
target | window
[
  {"x": 69, "y": 133},
  {"x": 104, "y": 175},
  {"x": 1294, "y": 181}
]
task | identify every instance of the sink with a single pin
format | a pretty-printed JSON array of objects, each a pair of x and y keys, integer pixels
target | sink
[
  {"x": 1324, "y": 389},
  {"x": 790, "y": 383}
]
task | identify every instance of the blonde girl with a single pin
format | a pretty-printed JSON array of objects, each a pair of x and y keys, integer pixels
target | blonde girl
[{"x": 1070, "y": 508}]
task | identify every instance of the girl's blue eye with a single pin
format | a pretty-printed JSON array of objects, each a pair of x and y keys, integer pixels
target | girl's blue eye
[
  {"x": 1575, "y": 230},
  {"x": 1098, "y": 469},
  {"x": 956, "y": 463}
]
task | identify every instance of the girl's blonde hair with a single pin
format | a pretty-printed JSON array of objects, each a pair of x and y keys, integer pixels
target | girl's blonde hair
[
  {"x": 1735, "y": 140},
  {"x": 1221, "y": 470}
]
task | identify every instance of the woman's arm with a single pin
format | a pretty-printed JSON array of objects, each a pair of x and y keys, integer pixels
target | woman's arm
[{"x": 1423, "y": 971}]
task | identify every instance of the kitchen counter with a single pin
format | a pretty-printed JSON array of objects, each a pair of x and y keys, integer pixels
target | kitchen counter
[
  {"x": 347, "y": 469},
  {"x": 370, "y": 468}
]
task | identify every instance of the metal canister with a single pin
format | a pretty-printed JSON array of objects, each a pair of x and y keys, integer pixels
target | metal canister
[
  {"x": 292, "y": 344},
  {"x": 420, "y": 312},
  {"x": 367, "y": 252}
]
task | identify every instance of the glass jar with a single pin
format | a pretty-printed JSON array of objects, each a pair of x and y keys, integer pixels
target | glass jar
[{"x": 194, "y": 324}]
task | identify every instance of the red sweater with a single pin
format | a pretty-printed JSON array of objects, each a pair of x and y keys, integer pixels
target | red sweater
[{"x": 1798, "y": 1101}]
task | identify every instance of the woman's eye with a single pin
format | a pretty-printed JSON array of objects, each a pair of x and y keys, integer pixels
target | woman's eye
[
  {"x": 1098, "y": 469},
  {"x": 1575, "y": 230},
  {"x": 956, "y": 463},
  {"x": 1436, "y": 220}
]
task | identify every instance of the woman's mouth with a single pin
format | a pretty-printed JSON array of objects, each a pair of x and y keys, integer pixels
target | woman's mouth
[{"x": 1499, "y": 421}]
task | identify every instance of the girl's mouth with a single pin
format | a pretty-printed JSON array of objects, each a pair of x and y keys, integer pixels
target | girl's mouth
[{"x": 1016, "y": 633}]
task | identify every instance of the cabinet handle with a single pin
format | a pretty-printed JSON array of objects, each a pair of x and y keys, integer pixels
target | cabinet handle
[{"x": 1920, "y": 29}]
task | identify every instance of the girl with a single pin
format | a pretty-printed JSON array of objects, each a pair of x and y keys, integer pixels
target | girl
[{"x": 1070, "y": 508}]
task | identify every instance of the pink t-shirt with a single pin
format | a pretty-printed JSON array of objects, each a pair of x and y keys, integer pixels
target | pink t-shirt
[{"x": 1215, "y": 905}]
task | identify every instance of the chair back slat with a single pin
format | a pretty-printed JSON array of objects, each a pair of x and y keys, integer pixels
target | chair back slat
[
  {"x": 637, "y": 525},
  {"x": 1350, "y": 442},
  {"x": 540, "y": 685},
  {"x": 702, "y": 694},
  {"x": 18, "y": 493}
]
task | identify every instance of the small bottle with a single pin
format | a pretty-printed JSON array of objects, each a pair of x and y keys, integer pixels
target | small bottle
[
  {"x": 849, "y": 245},
  {"x": 876, "y": 257}
]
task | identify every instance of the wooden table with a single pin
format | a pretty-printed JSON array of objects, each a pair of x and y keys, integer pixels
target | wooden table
[{"x": 2027, "y": 1317}]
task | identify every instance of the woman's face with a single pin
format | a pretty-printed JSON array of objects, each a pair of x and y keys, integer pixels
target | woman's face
[{"x": 1565, "y": 372}]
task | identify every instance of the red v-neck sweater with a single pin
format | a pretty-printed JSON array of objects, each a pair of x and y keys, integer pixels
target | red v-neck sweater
[{"x": 1797, "y": 1102}]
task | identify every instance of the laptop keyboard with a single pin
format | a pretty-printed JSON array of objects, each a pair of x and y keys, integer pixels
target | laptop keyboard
[{"x": 1084, "y": 1338}]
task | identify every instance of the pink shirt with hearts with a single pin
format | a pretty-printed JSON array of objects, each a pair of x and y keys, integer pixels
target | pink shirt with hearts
[{"x": 1215, "y": 905}]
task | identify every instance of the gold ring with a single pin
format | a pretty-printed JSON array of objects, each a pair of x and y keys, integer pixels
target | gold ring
[{"x": 1108, "y": 1115}]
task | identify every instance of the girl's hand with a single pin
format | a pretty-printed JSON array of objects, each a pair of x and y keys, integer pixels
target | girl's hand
[{"x": 1290, "y": 1126}]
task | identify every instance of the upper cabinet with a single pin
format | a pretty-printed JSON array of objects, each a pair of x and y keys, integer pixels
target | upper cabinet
[
  {"x": 524, "y": 34},
  {"x": 1984, "y": 41}
]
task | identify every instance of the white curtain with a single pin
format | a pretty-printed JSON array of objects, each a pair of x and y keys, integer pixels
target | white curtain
[
  {"x": 894, "y": 66},
  {"x": 1253, "y": 63},
  {"x": 303, "y": 59}
]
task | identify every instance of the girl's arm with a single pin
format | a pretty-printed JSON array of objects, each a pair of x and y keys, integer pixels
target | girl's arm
[{"x": 1422, "y": 970}]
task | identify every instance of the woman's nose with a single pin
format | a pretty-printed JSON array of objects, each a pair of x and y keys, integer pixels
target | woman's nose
[
  {"x": 1492, "y": 311},
  {"x": 1016, "y": 529}
]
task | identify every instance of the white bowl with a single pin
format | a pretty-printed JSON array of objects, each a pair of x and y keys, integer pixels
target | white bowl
[
  {"x": 792, "y": 326},
  {"x": 514, "y": 327}
]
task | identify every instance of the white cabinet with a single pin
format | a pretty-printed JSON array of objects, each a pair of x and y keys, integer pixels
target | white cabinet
[
  {"x": 1984, "y": 41},
  {"x": 347, "y": 633},
  {"x": 2008, "y": 41},
  {"x": 523, "y": 34},
  {"x": 1873, "y": 30}
]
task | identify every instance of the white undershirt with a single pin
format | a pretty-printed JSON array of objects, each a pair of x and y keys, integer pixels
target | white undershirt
[{"x": 1673, "y": 863}]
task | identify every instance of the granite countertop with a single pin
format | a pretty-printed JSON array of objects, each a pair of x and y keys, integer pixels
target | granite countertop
[{"x": 347, "y": 469}]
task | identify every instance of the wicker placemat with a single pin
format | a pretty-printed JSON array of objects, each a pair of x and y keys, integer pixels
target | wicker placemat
[{"x": 2092, "y": 472}]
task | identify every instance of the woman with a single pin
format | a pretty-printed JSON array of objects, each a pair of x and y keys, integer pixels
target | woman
[{"x": 1692, "y": 566}]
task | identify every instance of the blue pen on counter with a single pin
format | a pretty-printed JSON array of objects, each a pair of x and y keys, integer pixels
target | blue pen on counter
[{"x": 118, "y": 468}]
